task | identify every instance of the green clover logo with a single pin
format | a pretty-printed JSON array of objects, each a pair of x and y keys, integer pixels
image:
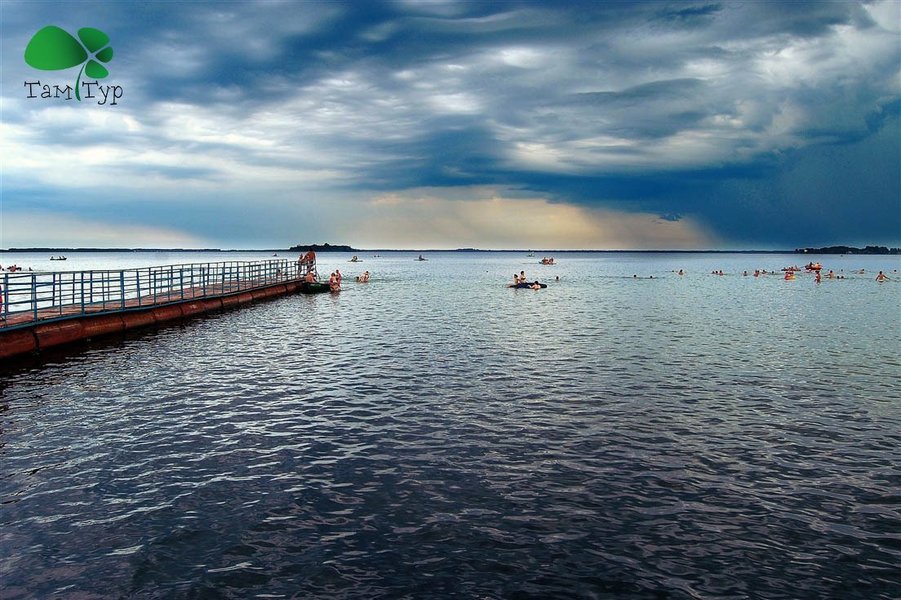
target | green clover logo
[{"x": 54, "y": 49}]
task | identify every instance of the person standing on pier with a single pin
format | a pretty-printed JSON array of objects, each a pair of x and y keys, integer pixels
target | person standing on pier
[{"x": 307, "y": 259}]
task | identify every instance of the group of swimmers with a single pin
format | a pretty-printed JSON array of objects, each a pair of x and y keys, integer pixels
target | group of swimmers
[
  {"x": 334, "y": 281},
  {"x": 790, "y": 273},
  {"x": 520, "y": 281}
]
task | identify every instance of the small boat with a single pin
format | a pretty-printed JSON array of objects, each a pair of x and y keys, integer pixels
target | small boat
[
  {"x": 313, "y": 287},
  {"x": 355, "y": 259},
  {"x": 57, "y": 258},
  {"x": 420, "y": 258}
]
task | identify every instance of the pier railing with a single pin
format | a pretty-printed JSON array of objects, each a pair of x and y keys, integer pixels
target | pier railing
[{"x": 32, "y": 296}]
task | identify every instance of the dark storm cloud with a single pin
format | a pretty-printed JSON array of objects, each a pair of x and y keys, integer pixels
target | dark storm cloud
[{"x": 720, "y": 112}]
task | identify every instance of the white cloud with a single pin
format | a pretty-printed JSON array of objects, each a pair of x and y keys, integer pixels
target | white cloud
[{"x": 452, "y": 92}]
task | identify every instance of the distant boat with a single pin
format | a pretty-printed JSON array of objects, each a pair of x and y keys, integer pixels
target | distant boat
[
  {"x": 420, "y": 258},
  {"x": 531, "y": 254},
  {"x": 57, "y": 258},
  {"x": 355, "y": 259}
]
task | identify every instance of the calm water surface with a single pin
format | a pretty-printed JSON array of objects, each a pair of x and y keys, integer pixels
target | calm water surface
[{"x": 433, "y": 434}]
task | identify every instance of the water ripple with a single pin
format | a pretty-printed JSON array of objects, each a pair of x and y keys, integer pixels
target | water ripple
[{"x": 603, "y": 438}]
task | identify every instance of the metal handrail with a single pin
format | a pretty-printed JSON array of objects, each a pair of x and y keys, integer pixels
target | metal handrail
[{"x": 55, "y": 294}]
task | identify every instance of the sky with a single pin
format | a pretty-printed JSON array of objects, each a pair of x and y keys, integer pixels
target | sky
[{"x": 443, "y": 124}]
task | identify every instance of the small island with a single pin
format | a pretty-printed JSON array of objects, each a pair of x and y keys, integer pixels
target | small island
[{"x": 321, "y": 248}]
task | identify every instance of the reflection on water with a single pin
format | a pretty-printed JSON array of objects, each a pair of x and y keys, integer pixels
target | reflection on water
[{"x": 434, "y": 434}]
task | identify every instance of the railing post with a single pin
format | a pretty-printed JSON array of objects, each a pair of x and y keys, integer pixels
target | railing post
[
  {"x": 82, "y": 292},
  {"x": 181, "y": 281},
  {"x": 5, "y": 292},
  {"x": 122, "y": 287},
  {"x": 34, "y": 297}
]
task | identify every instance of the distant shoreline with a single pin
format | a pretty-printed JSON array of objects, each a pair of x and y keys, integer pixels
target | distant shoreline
[{"x": 869, "y": 250}]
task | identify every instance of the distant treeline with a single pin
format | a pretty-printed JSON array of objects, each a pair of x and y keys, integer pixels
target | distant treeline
[
  {"x": 64, "y": 250},
  {"x": 321, "y": 248},
  {"x": 315, "y": 247},
  {"x": 850, "y": 250}
]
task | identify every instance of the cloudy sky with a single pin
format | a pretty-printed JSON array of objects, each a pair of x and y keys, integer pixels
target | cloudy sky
[{"x": 444, "y": 124}]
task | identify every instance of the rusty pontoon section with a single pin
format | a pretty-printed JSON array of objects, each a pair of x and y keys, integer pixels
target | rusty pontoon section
[{"x": 45, "y": 309}]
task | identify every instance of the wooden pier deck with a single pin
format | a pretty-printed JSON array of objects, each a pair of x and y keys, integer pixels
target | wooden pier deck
[{"x": 43, "y": 310}]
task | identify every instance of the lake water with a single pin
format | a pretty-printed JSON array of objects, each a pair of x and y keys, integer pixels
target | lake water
[{"x": 433, "y": 434}]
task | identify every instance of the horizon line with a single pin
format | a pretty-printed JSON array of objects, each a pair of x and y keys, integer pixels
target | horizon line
[{"x": 34, "y": 249}]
